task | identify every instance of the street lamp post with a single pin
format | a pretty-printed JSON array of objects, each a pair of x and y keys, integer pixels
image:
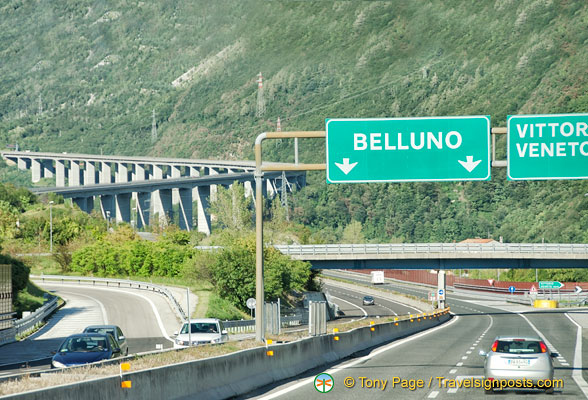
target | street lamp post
[
  {"x": 108, "y": 220},
  {"x": 51, "y": 227}
]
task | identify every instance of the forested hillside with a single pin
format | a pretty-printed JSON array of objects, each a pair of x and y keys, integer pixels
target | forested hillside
[{"x": 88, "y": 76}]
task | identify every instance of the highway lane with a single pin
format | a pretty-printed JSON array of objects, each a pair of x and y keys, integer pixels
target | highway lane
[
  {"x": 350, "y": 302},
  {"x": 145, "y": 318},
  {"x": 462, "y": 301},
  {"x": 449, "y": 352}
]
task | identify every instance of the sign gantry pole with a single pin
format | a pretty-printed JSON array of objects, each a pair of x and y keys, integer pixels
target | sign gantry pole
[{"x": 259, "y": 169}]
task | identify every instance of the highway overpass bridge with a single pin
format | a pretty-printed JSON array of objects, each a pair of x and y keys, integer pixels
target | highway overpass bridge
[
  {"x": 442, "y": 256},
  {"x": 154, "y": 184}
]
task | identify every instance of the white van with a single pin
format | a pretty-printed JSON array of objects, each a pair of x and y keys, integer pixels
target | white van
[{"x": 377, "y": 277}]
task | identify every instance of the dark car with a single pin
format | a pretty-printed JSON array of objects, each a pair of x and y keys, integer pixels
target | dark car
[
  {"x": 115, "y": 331},
  {"x": 85, "y": 348}
]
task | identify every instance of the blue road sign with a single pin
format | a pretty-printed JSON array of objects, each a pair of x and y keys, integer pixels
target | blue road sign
[{"x": 511, "y": 289}]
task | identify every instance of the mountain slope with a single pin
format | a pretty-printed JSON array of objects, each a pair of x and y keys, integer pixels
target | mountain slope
[{"x": 86, "y": 76}]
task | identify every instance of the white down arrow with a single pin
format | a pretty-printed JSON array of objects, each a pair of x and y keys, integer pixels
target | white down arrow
[
  {"x": 346, "y": 167},
  {"x": 469, "y": 164}
]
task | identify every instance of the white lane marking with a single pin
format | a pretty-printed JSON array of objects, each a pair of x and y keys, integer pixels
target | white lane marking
[
  {"x": 453, "y": 371},
  {"x": 464, "y": 358},
  {"x": 433, "y": 394},
  {"x": 461, "y": 378},
  {"x": 73, "y": 323},
  {"x": 577, "y": 372},
  {"x": 459, "y": 364},
  {"x": 469, "y": 352},
  {"x": 472, "y": 348},
  {"x": 388, "y": 300},
  {"x": 333, "y": 370},
  {"x": 153, "y": 307},
  {"x": 365, "y": 314},
  {"x": 102, "y": 308},
  {"x": 379, "y": 304}
]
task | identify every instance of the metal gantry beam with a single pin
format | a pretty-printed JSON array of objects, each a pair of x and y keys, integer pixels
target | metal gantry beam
[{"x": 260, "y": 168}]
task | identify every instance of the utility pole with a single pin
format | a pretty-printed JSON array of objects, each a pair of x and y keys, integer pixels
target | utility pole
[
  {"x": 260, "y": 98},
  {"x": 153, "y": 128},
  {"x": 51, "y": 226},
  {"x": 284, "y": 194},
  {"x": 40, "y": 109}
]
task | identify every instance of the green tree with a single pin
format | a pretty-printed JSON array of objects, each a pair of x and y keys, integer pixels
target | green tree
[
  {"x": 353, "y": 233},
  {"x": 233, "y": 272},
  {"x": 231, "y": 208}
]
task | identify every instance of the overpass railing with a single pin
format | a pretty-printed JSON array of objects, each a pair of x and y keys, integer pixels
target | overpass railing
[{"x": 423, "y": 248}]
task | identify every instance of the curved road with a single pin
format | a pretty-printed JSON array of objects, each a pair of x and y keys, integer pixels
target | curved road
[
  {"x": 145, "y": 318},
  {"x": 350, "y": 303}
]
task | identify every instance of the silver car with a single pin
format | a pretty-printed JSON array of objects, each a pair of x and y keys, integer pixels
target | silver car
[
  {"x": 368, "y": 301},
  {"x": 116, "y": 333},
  {"x": 200, "y": 331},
  {"x": 525, "y": 360}
]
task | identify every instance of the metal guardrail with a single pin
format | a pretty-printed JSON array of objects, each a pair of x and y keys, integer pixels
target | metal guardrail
[
  {"x": 248, "y": 325},
  {"x": 119, "y": 283},
  {"x": 31, "y": 321},
  {"x": 523, "y": 296},
  {"x": 7, "y": 336},
  {"x": 394, "y": 248},
  {"x": 25, "y": 325}
]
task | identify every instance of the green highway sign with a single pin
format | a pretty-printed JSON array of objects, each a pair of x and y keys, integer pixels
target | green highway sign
[
  {"x": 547, "y": 146},
  {"x": 408, "y": 149},
  {"x": 550, "y": 285}
]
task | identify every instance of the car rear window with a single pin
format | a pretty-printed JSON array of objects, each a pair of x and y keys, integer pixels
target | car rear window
[{"x": 518, "y": 346}]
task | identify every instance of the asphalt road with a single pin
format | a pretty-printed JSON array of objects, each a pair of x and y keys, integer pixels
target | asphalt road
[
  {"x": 145, "y": 318},
  {"x": 351, "y": 306},
  {"x": 443, "y": 356}
]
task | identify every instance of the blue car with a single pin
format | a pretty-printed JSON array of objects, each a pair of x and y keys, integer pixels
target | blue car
[{"x": 84, "y": 348}]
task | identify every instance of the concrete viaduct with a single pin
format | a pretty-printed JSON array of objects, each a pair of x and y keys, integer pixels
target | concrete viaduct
[{"x": 155, "y": 184}]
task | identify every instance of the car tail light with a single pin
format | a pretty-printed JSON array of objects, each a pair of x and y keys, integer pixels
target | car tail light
[
  {"x": 495, "y": 345},
  {"x": 543, "y": 347}
]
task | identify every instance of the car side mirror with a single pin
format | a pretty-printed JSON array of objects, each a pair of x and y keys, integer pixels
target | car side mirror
[
  {"x": 176, "y": 333},
  {"x": 224, "y": 332},
  {"x": 116, "y": 351},
  {"x": 554, "y": 355},
  {"x": 121, "y": 337},
  {"x": 53, "y": 352},
  {"x": 482, "y": 353}
]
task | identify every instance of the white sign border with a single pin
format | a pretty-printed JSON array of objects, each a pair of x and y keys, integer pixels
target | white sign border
[
  {"x": 551, "y": 178},
  {"x": 330, "y": 181}
]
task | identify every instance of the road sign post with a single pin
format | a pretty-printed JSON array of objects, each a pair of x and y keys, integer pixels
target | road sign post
[
  {"x": 259, "y": 170},
  {"x": 547, "y": 146},
  {"x": 441, "y": 289},
  {"x": 408, "y": 149}
]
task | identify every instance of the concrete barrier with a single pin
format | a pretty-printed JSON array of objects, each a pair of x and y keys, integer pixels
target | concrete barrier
[{"x": 241, "y": 372}]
